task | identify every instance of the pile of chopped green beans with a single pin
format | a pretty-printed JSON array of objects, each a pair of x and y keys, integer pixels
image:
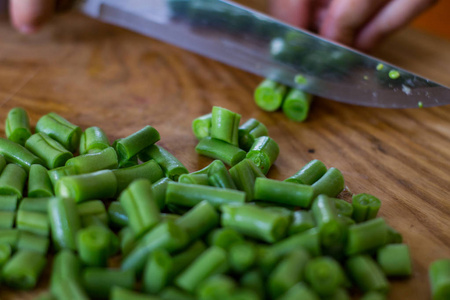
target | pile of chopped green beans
[
  {"x": 223, "y": 232},
  {"x": 271, "y": 96}
]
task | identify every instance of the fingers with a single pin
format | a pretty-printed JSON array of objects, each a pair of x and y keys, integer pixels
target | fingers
[
  {"x": 344, "y": 18},
  {"x": 392, "y": 17},
  {"x": 294, "y": 12},
  {"x": 28, "y": 15}
]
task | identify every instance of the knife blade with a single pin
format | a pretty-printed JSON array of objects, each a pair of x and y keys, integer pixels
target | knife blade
[{"x": 251, "y": 41}]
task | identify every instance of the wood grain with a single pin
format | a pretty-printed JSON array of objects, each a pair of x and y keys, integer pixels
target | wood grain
[{"x": 97, "y": 75}]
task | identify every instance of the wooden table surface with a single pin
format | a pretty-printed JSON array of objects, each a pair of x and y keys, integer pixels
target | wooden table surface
[{"x": 98, "y": 75}]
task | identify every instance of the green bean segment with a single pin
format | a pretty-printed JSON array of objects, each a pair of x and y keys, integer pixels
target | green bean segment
[
  {"x": 136, "y": 142},
  {"x": 439, "y": 275},
  {"x": 170, "y": 165},
  {"x": 225, "y": 125},
  {"x": 5, "y": 253},
  {"x": 366, "y": 236},
  {"x": 157, "y": 271},
  {"x": 269, "y": 95},
  {"x": 49, "y": 150},
  {"x": 92, "y": 162},
  {"x": 330, "y": 184},
  {"x": 199, "y": 220},
  {"x": 58, "y": 173},
  {"x": 217, "y": 149},
  {"x": 7, "y": 219},
  {"x": 23, "y": 270},
  {"x": 365, "y": 207},
  {"x": 64, "y": 222},
  {"x": 32, "y": 242},
  {"x": 93, "y": 245},
  {"x": 325, "y": 275},
  {"x": 39, "y": 183},
  {"x": 244, "y": 175},
  {"x": 201, "y": 126},
  {"x": 99, "y": 282},
  {"x": 309, "y": 173},
  {"x": 395, "y": 260},
  {"x": 17, "y": 126},
  {"x": 302, "y": 221},
  {"x": 263, "y": 153},
  {"x": 9, "y": 236},
  {"x": 300, "y": 291},
  {"x": 120, "y": 293},
  {"x": 249, "y": 131},
  {"x": 90, "y": 209},
  {"x": 12, "y": 180},
  {"x": 200, "y": 179},
  {"x": 283, "y": 192},
  {"x": 93, "y": 138},
  {"x": 33, "y": 222},
  {"x": 8, "y": 202},
  {"x": 15, "y": 153},
  {"x": 61, "y": 130},
  {"x": 367, "y": 274},
  {"x": 296, "y": 105}
]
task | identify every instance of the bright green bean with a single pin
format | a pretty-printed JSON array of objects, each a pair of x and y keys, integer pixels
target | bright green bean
[
  {"x": 120, "y": 293},
  {"x": 97, "y": 185},
  {"x": 9, "y": 236},
  {"x": 216, "y": 287},
  {"x": 200, "y": 179},
  {"x": 170, "y": 165},
  {"x": 365, "y": 207},
  {"x": 249, "y": 131},
  {"x": 201, "y": 126},
  {"x": 172, "y": 293},
  {"x": 225, "y": 125},
  {"x": 253, "y": 280},
  {"x": 159, "y": 189},
  {"x": 33, "y": 242},
  {"x": 157, "y": 271},
  {"x": 140, "y": 206},
  {"x": 269, "y": 95},
  {"x": 309, "y": 239},
  {"x": 64, "y": 222},
  {"x": 330, "y": 184},
  {"x": 182, "y": 260},
  {"x": 166, "y": 235},
  {"x": 23, "y": 270},
  {"x": 439, "y": 275},
  {"x": 212, "y": 261},
  {"x": 93, "y": 138},
  {"x": 325, "y": 275},
  {"x": 127, "y": 240},
  {"x": 309, "y": 173},
  {"x": 296, "y": 105},
  {"x": 39, "y": 184},
  {"x": 17, "y": 125},
  {"x": 89, "y": 209},
  {"x": 8, "y": 202},
  {"x": 244, "y": 175},
  {"x": 224, "y": 238},
  {"x": 33, "y": 222},
  {"x": 12, "y": 180},
  {"x": 136, "y": 142},
  {"x": 39, "y": 205},
  {"x": 367, "y": 274},
  {"x": 366, "y": 236},
  {"x": 343, "y": 207},
  {"x": 394, "y": 237},
  {"x": 300, "y": 291},
  {"x": 242, "y": 256},
  {"x": 263, "y": 153},
  {"x": 5, "y": 253},
  {"x": 72, "y": 290},
  {"x": 288, "y": 272},
  {"x": 92, "y": 162},
  {"x": 149, "y": 170},
  {"x": 255, "y": 222},
  {"x": 302, "y": 221},
  {"x": 93, "y": 244},
  {"x": 219, "y": 176},
  {"x": 117, "y": 215},
  {"x": 66, "y": 267},
  {"x": 7, "y": 219},
  {"x": 217, "y": 149},
  {"x": 60, "y": 130},
  {"x": 15, "y": 153},
  {"x": 99, "y": 282},
  {"x": 189, "y": 195},
  {"x": 395, "y": 260},
  {"x": 58, "y": 173},
  {"x": 52, "y": 153},
  {"x": 199, "y": 220},
  {"x": 283, "y": 192}
]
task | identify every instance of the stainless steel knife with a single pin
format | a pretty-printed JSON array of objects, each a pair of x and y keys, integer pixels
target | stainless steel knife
[{"x": 261, "y": 45}]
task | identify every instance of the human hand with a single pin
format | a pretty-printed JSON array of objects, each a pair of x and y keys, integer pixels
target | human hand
[
  {"x": 358, "y": 23},
  {"x": 29, "y": 15}
]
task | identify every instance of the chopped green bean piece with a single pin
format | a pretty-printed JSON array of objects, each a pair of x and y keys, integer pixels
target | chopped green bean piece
[
  {"x": 199, "y": 179},
  {"x": 23, "y": 270},
  {"x": 117, "y": 215},
  {"x": 172, "y": 293},
  {"x": 97, "y": 185},
  {"x": 325, "y": 275},
  {"x": 96, "y": 161},
  {"x": 296, "y": 105},
  {"x": 224, "y": 238},
  {"x": 394, "y": 237},
  {"x": 253, "y": 280},
  {"x": 33, "y": 222},
  {"x": 159, "y": 189},
  {"x": 365, "y": 207},
  {"x": 140, "y": 206},
  {"x": 255, "y": 222},
  {"x": 52, "y": 153},
  {"x": 33, "y": 242},
  {"x": 12, "y": 180},
  {"x": 127, "y": 240},
  {"x": 35, "y": 204},
  {"x": 189, "y": 195},
  {"x": 39, "y": 184},
  {"x": 8, "y": 202},
  {"x": 170, "y": 165},
  {"x": 120, "y": 293},
  {"x": 366, "y": 274},
  {"x": 5, "y": 253},
  {"x": 93, "y": 138},
  {"x": 60, "y": 172},
  {"x": 183, "y": 259},
  {"x": 66, "y": 268},
  {"x": 64, "y": 222},
  {"x": 300, "y": 291},
  {"x": 219, "y": 176},
  {"x": 439, "y": 274},
  {"x": 89, "y": 209},
  {"x": 283, "y": 192},
  {"x": 366, "y": 236},
  {"x": 395, "y": 260},
  {"x": 343, "y": 207},
  {"x": 98, "y": 282},
  {"x": 199, "y": 220},
  {"x": 242, "y": 256},
  {"x": 330, "y": 184},
  {"x": 216, "y": 287},
  {"x": 340, "y": 294},
  {"x": 15, "y": 153},
  {"x": 7, "y": 219},
  {"x": 309, "y": 240},
  {"x": 218, "y": 149},
  {"x": 244, "y": 175},
  {"x": 269, "y": 95},
  {"x": 249, "y": 131},
  {"x": 93, "y": 245},
  {"x": 201, "y": 126},
  {"x": 136, "y": 142},
  {"x": 263, "y": 153},
  {"x": 17, "y": 126},
  {"x": 157, "y": 271},
  {"x": 374, "y": 296},
  {"x": 225, "y": 125},
  {"x": 302, "y": 221},
  {"x": 9, "y": 236},
  {"x": 309, "y": 173},
  {"x": 212, "y": 261}
]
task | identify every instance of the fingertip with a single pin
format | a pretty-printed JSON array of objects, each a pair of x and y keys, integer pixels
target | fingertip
[
  {"x": 28, "y": 16},
  {"x": 296, "y": 13}
]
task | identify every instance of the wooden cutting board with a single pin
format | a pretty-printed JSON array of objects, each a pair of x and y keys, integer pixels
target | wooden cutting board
[{"x": 97, "y": 75}]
